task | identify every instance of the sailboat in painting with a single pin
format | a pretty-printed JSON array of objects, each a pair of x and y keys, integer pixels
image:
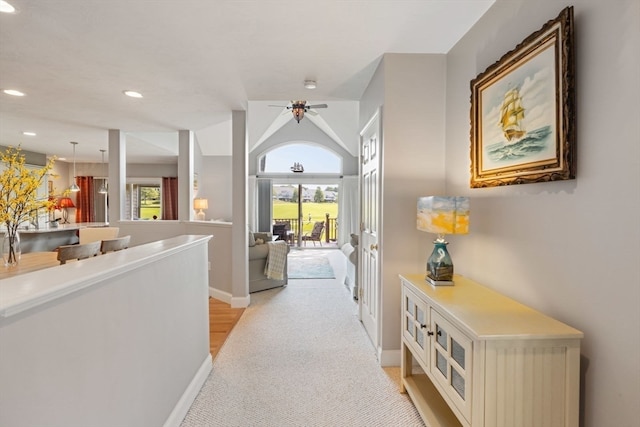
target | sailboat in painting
[{"x": 511, "y": 116}]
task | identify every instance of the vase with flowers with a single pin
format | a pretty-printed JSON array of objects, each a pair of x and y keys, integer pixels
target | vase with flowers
[{"x": 18, "y": 198}]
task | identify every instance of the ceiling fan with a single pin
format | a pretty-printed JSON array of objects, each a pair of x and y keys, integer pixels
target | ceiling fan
[{"x": 298, "y": 108}]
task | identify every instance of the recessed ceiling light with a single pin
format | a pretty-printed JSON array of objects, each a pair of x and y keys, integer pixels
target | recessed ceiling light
[
  {"x": 133, "y": 93},
  {"x": 29, "y": 133},
  {"x": 310, "y": 84},
  {"x": 13, "y": 92},
  {"x": 6, "y": 7}
]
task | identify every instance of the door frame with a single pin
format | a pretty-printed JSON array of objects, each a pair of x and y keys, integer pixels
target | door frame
[{"x": 375, "y": 120}]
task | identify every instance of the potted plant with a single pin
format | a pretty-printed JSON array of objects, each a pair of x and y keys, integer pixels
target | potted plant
[{"x": 18, "y": 198}]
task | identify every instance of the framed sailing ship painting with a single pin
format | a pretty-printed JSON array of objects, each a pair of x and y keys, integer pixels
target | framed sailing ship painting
[{"x": 523, "y": 111}]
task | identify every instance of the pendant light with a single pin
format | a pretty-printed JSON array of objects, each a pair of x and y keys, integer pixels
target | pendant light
[
  {"x": 74, "y": 187},
  {"x": 103, "y": 187}
]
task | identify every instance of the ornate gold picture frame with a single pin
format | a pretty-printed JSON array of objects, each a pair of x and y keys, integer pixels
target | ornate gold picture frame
[{"x": 523, "y": 111}]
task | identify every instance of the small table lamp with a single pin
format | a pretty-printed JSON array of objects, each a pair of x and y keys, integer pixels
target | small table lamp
[
  {"x": 442, "y": 215},
  {"x": 65, "y": 203},
  {"x": 200, "y": 204}
]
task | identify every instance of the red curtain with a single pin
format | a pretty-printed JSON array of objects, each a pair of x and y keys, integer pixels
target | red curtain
[
  {"x": 169, "y": 197},
  {"x": 84, "y": 200}
]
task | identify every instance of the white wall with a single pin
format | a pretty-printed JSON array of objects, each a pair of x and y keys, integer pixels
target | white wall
[
  {"x": 219, "y": 253},
  {"x": 121, "y": 339},
  {"x": 570, "y": 249},
  {"x": 412, "y": 91},
  {"x": 219, "y": 256},
  {"x": 239, "y": 231},
  {"x": 138, "y": 170},
  {"x": 214, "y": 184}
]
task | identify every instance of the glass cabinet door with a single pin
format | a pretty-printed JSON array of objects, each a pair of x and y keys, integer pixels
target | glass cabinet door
[
  {"x": 451, "y": 362},
  {"x": 415, "y": 325}
]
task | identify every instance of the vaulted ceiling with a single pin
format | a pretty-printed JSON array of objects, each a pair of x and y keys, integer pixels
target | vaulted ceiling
[{"x": 194, "y": 61}]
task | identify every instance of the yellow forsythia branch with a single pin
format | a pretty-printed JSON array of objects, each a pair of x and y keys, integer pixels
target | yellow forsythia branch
[{"x": 18, "y": 188}]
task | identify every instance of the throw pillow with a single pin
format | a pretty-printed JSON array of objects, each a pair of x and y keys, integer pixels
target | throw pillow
[
  {"x": 354, "y": 240},
  {"x": 266, "y": 237},
  {"x": 252, "y": 240}
]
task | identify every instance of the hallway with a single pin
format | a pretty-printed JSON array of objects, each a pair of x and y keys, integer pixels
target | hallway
[{"x": 299, "y": 356}]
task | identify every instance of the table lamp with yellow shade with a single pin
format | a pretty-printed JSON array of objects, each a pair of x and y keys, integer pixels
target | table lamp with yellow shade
[
  {"x": 442, "y": 215},
  {"x": 200, "y": 204}
]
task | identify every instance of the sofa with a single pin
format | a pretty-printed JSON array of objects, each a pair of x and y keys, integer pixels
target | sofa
[{"x": 258, "y": 253}]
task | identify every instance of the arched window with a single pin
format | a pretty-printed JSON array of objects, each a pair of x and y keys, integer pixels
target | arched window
[{"x": 313, "y": 158}]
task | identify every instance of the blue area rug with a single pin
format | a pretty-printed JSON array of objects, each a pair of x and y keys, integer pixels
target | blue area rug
[{"x": 309, "y": 267}]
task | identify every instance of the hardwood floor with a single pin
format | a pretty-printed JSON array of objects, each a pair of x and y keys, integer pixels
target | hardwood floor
[{"x": 222, "y": 319}]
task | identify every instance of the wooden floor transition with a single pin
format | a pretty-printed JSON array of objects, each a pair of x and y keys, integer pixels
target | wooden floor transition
[{"x": 222, "y": 319}]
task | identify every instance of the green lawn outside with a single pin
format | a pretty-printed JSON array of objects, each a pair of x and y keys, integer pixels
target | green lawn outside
[
  {"x": 281, "y": 210},
  {"x": 318, "y": 211},
  {"x": 148, "y": 211}
]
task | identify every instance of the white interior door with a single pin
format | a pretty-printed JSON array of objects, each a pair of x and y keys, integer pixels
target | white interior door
[{"x": 369, "y": 293}]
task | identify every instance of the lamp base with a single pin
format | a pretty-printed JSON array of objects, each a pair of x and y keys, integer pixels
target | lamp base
[
  {"x": 434, "y": 282},
  {"x": 439, "y": 265},
  {"x": 200, "y": 215}
]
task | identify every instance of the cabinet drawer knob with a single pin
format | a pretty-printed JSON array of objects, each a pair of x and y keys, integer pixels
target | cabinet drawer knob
[
  {"x": 429, "y": 333},
  {"x": 423, "y": 326}
]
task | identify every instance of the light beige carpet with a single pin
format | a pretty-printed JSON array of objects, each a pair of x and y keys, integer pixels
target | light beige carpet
[{"x": 300, "y": 357}]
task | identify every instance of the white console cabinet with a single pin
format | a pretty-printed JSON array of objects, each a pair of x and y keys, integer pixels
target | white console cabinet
[{"x": 475, "y": 358}]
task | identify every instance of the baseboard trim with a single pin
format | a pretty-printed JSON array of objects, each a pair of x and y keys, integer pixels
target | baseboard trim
[
  {"x": 220, "y": 295},
  {"x": 189, "y": 395},
  {"x": 240, "y": 302},
  {"x": 389, "y": 357},
  {"x": 234, "y": 302}
]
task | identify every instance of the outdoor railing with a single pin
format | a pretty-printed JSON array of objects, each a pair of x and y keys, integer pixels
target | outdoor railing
[{"x": 329, "y": 233}]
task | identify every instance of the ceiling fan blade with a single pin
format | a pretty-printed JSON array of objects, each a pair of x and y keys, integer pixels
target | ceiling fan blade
[
  {"x": 279, "y": 106},
  {"x": 317, "y": 106}
]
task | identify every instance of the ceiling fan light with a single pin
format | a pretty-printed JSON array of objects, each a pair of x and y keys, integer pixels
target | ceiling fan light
[
  {"x": 298, "y": 108},
  {"x": 298, "y": 114}
]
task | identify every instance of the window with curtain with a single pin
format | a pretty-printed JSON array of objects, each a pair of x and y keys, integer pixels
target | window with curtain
[
  {"x": 85, "y": 207},
  {"x": 151, "y": 199},
  {"x": 143, "y": 201},
  {"x": 169, "y": 197}
]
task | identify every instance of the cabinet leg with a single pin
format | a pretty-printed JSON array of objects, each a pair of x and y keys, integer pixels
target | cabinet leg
[{"x": 405, "y": 366}]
